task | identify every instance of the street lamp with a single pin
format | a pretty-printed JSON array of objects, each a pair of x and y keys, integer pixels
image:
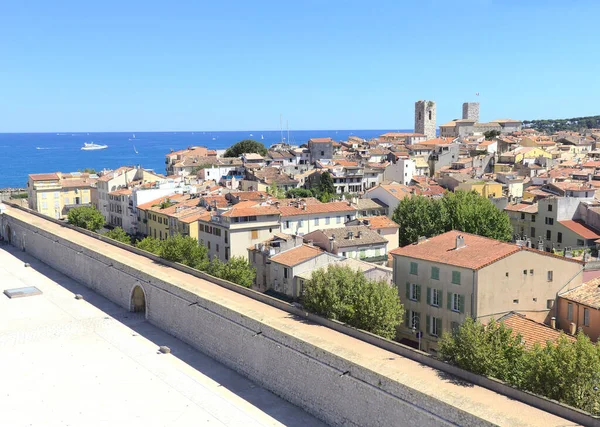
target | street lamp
[{"x": 418, "y": 334}]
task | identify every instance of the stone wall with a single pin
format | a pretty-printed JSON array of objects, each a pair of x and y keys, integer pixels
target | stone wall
[
  {"x": 425, "y": 118},
  {"x": 328, "y": 386}
]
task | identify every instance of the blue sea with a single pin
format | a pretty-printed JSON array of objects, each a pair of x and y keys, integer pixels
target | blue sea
[{"x": 25, "y": 153}]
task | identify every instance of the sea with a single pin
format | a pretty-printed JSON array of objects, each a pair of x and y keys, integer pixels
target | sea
[{"x": 25, "y": 153}]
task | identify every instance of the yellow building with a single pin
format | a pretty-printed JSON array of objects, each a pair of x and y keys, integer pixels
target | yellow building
[
  {"x": 483, "y": 188},
  {"x": 171, "y": 215},
  {"x": 54, "y": 194}
]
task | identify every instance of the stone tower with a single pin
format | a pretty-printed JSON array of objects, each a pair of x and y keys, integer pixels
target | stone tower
[
  {"x": 471, "y": 111},
  {"x": 425, "y": 118}
]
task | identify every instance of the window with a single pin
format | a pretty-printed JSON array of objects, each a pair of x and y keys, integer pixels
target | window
[
  {"x": 286, "y": 273},
  {"x": 322, "y": 153},
  {"x": 559, "y": 237},
  {"x": 549, "y": 303},
  {"x": 533, "y": 232},
  {"x": 549, "y": 221},
  {"x": 56, "y": 204},
  {"x": 570, "y": 311},
  {"x": 522, "y": 216},
  {"x": 254, "y": 234},
  {"x": 515, "y": 301},
  {"x": 300, "y": 223},
  {"x": 217, "y": 247},
  {"x": 434, "y": 297},
  {"x": 580, "y": 242},
  {"x": 549, "y": 208},
  {"x": 456, "y": 302},
  {"x": 413, "y": 291},
  {"x": 67, "y": 201},
  {"x": 454, "y": 326},
  {"x": 525, "y": 272},
  {"x": 287, "y": 224},
  {"x": 316, "y": 221},
  {"x": 548, "y": 234},
  {"x": 586, "y": 317},
  {"x": 160, "y": 235},
  {"x": 429, "y": 114},
  {"x": 414, "y": 268},
  {"x": 43, "y": 195},
  {"x": 338, "y": 219},
  {"x": 435, "y": 273},
  {"x": 550, "y": 276},
  {"x": 44, "y": 204},
  {"x": 327, "y": 220},
  {"x": 456, "y": 277},
  {"x": 532, "y": 218},
  {"x": 434, "y": 326},
  {"x": 531, "y": 271}
]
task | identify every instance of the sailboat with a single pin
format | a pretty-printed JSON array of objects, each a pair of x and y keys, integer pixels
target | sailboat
[
  {"x": 262, "y": 137},
  {"x": 136, "y": 151},
  {"x": 134, "y": 136}
]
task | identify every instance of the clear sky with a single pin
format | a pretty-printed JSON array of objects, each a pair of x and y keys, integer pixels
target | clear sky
[{"x": 324, "y": 64}]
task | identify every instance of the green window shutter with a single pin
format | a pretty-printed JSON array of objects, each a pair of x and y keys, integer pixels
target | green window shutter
[
  {"x": 429, "y": 296},
  {"x": 406, "y": 318},
  {"x": 428, "y": 324},
  {"x": 418, "y": 293},
  {"x": 441, "y": 297},
  {"x": 461, "y": 303},
  {"x": 438, "y": 324},
  {"x": 456, "y": 277},
  {"x": 449, "y": 303},
  {"x": 407, "y": 290}
]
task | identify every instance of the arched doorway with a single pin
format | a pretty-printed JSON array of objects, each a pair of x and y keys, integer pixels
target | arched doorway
[
  {"x": 138, "y": 300},
  {"x": 8, "y": 234}
]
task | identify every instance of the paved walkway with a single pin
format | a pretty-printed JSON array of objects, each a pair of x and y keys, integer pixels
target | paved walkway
[
  {"x": 68, "y": 362},
  {"x": 479, "y": 401}
]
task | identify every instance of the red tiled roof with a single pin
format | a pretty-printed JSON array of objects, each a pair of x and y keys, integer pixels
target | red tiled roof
[
  {"x": 296, "y": 255},
  {"x": 580, "y": 228},
  {"x": 43, "y": 176},
  {"x": 531, "y": 331},
  {"x": 586, "y": 294},
  {"x": 320, "y": 140},
  {"x": 316, "y": 208},
  {"x": 376, "y": 222},
  {"x": 236, "y": 211}
]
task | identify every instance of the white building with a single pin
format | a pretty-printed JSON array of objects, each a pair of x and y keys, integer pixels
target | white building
[
  {"x": 402, "y": 171},
  {"x": 389, "y": 194}
]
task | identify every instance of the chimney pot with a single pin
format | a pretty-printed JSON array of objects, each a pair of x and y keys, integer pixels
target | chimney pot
[
  {"x": 553, "y": 322},
  {"x": 573, "y": 329},
  {"x": 460, "y": 241}
]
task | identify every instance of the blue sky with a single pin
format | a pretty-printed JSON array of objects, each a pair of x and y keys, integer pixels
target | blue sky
[{"x": 323, "y": 64}]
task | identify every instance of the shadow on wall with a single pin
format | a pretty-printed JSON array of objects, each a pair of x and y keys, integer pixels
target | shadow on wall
[{"x": 135, "y": 319}]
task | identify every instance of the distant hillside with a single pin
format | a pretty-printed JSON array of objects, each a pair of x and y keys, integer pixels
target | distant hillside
[{"x": 574, "y": 124}]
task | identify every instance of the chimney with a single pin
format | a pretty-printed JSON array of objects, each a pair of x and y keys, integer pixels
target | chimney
[
  {"x": 553, "y": 322},
  {"x": 331, "y": 243},
  {"x": 359, "y": 235},
  {"x": 350, "y": 235},
  {"x": 421, "y": 239},
  {"x": 573, "y": 329},
  {"x": 460, "y": 241}
]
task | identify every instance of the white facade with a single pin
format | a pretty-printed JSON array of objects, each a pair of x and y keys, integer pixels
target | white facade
[
  {"x": 307, "y": 223},
  {"x": 402, "y": 171}
]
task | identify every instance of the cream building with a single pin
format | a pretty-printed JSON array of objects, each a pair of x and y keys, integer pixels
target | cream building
[
  {"x": 444, "y": 279},
  {"x": 54, "y": 194}
]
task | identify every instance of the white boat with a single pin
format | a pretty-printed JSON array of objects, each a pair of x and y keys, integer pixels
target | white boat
[
  {"x": 262, "y": 137},
  {"x": 134, "y": 136},
  {"x": 92, "y": 146},
  {"x": 136, "y": 151},
  {"x": 251, "y": 135}
]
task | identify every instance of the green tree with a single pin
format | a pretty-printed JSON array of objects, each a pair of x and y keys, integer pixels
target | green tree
[
  {"x": 298, "y": 193},
  {"x": 326, "y": 183},
  {"x": 491, "y": 350},
  {"x": 566, "y": 371},
  {"x": 91, "y": 171},
  {"x": 236, "y": 270},
  {"x": 325, "y": 197},
  {"x": 491, "y": 134},
  {"x": 86, "y": 217},
  {"x": 464, "y": 211},
  {"x": 184, "y": 250},
  {"x": 275, "y": 191},
  {"x": 343, "y": 294},
  {"x": 118, "y": 234},
  {"x": 245, "y": 146},
  {"x": 149, "y": 244}
]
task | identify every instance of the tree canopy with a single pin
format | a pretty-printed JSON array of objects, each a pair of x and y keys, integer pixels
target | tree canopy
[
  {"x": 326, "y": 183},
  {"x": 464, "y": 211},
  {"x": 298, "y": 193},
  {"x": 245, "y": 146},
  {"x": 491, "y": 134},
  {"x": 563, "y": 370},
  {"x": 118, "y": 234},
  {"x": 557, "y": 125},
  {"x": 185, "y": 250},
  {"x": 343, "y": 294},
  {"x": 86, "y": 217}
]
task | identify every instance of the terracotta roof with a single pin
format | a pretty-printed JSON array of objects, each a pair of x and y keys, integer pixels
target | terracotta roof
[
  {"x": 320, "y": 140},
  {"x": 580, "y": 228},
  {"x": 121, "y": 192},
  {"x": 587, "y": 294},
  {"x": 399, "y": 191},
  {"x": 310, "y": 209},
  {"x": 523, "y": 207},
  {"x": 399, "y": 134},
  {"x": 296, "y": 255},
  {"x": 236, "y": 211},
  {"x": 341, "y": 239},
  {"x": 43, "y": 176},
  {"x": 376, "y": 222},
  {"x": 437, "y": 141},
  {"x": 531, "y": 331}
]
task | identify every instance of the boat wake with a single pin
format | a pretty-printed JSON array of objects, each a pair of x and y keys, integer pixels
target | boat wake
[{"x": 46, "y": 148}]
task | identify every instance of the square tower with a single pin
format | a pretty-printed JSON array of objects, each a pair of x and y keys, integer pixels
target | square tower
[
  {"x": 471, "y": 111},
  {"x": 425, "y": 118}
]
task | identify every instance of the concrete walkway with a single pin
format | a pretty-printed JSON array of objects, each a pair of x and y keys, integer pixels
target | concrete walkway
[{"x": 68, "y": 362}]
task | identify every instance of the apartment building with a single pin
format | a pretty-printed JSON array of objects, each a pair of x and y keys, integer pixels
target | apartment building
[
  {"x": 355, "y": 241},
  {"x": 303, "y": 216},
  {"x": 54, "y": 194},
  {"x": 443, "y": 279},
  {"x": 228, "y": 232},
  {"x": 579, "y": 309},
  {"x": 389, "y": 194},
  {"x": 176, "y": 162},
  {"x": 383, "y": 226}
]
